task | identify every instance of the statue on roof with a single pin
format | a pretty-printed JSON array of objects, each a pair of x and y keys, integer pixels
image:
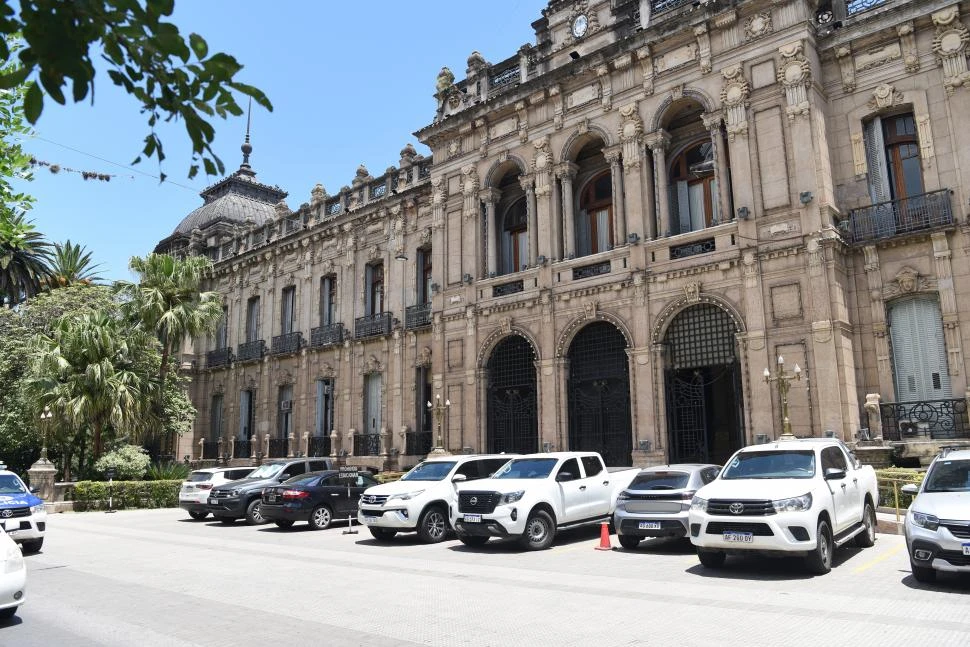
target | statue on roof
[{"x": 445, "y": 80}]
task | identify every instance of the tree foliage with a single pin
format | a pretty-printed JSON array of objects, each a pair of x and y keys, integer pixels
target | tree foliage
[
  {"x": 24, "y": 259},
  {"x": 129, "y": 462},
  {"x": 171, "y": 76},
  {"x": 71, "y": 265}
]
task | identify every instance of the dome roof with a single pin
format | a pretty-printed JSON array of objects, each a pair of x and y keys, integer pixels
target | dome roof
[{"x": 238, "y": 198}]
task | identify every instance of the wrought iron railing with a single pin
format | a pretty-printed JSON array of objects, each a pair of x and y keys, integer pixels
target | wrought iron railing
[
  {"x": 858, "y": 6},
  {"x": 656, "y": 6},
  {"x": 327, "y": 335},
  {"x": 259, "y": 237},
  {"x": 250, "y": 350},
  {"x": 508, "y": 288},
  {"x": 367, "y": 445},
  {"x": 292, "y": 224},
  {"x": 925, "y": 419},
  {"x": 278, "y": 447},
  {"x": 424, "y": 170},
  {"x": 218, "y": 357},
  {"x": 378, "y": 191},
  {"x": 242, "y": 448},
  {"x": 896, "y": 217},
  {"x": 589, "y": 271},
  {"x": 417, "y": 316},
  {"x": 227, "y": 250},
  {"x": 692, "y": 249},
  {"x": 504, "y": 75},
  {"x": 319, "y": 446},
  {"x": 333, "y": 208},
  {"x": 372, "y": 325},
  {"x": 417, "y": 443},
  {"x": 289, "y": 343},
  {"x": 210, "y": 449}
]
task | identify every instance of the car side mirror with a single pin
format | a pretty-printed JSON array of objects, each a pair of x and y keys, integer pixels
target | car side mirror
[
  {"x": 564, "y": 476},
  {"x": 833, "y": 474},
  {"x": 910, "y": 488},
  {"x": 458, "y": 478},
  {"x": 34, "y": 490},
  {"x": 284, "y": 477}
]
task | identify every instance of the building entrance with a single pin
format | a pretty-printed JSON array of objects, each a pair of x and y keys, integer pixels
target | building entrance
[{"x": 513, "y": 419}]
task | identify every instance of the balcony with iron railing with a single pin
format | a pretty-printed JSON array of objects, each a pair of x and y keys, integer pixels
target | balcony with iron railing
[
  {"x": 278, "y": 447},
  {"x": 218, "y": 357},
  {"x": 210, "y": 450},
  {"x": 418, "y": 316},
  {"x": 250, "y": 351},
  {"x": 287, "y": 344},
  {"x": 925, "y": 420},
  {"x": 893, "y": 218},
  {"x": 319, "y": 446},
  {"x": 326, "y": 335},
  {"x": 242, "y": 448},
  {"x": 417, "y": 443},
  {"x": 367, "y": 445},
  {"x": 372, "y": 325}
]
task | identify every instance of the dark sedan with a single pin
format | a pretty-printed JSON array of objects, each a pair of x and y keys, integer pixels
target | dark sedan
[{"x": 317, "y": 498}]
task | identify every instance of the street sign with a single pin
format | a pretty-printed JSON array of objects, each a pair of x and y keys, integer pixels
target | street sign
[
  {"x": 109, "y": 473},
  {"x": 348, "y": 472}
]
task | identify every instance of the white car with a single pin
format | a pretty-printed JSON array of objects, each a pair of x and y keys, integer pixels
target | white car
[
  {"x": 22, "y": 513},
  {"x": 13, "y": 577},
  {"x": 195, "y": 490},
  {"x": 937, "y": 525},
  {"x": 424, "y": 498}
]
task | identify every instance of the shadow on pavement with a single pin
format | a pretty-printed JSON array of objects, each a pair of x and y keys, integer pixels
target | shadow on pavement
[
  {"x": 11, "y": 622},
  {"x": 663, "y": 546},
  {"x": 945, "y": 582},
  {"x": 563, "y": 538},
  {"x": 767, "y": 567}
]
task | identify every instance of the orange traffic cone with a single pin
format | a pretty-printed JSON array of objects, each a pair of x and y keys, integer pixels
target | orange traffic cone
[{"x": 605, "y": 537}]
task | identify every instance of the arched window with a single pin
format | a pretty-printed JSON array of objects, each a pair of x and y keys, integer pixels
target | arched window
[
  {"x": 515, "y": 239},
  {"x": 594, "y": 224},
  {"x": 693, "y": 189}
]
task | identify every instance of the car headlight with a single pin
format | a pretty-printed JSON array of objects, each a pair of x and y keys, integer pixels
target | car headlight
[
  {"x": 13, "y": 559},
  {"x": 698, "y": 504},
  {"x": 928, "y": 521},
  {"x": 794, "y": 504},
  {"x": 511, "y": 497},
  {"x": 36, "y": 508},
  {"x": 405, "y": 496}
]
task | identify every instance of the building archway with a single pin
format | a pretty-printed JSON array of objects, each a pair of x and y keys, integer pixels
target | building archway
[
  {"x": 599, "y": 393},
  {"x": 512, "y": 416},
  {"x": 702, "y": 374}
]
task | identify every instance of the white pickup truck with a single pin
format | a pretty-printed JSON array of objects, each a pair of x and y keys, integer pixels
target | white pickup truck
[
  {"x": 532, "y": 497},
  {"x": 794, "y": 497}
]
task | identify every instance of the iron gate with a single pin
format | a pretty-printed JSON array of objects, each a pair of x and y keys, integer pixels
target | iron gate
[
  {"x": 599, "y": 394},
  {"x": 513, "y": 422},
  {"x": 687, "y": 416}
]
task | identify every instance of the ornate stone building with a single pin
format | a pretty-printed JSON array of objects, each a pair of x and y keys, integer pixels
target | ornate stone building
[{"x": 626, "y": 226}]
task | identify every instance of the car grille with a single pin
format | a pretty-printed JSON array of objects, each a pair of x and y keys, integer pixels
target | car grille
[
  {"x": 481, "y": 502},
  {"x": 666, "y": 496},
  {"x": 219, "y": 494},
  {"x": 955, "y": 557},
  {"x": 373, "y": 499},
  {"x": 751, "y": 508},
  {"x": 15, "y": 512},
  {"x": 959, "y": 529},
  {"x": 756, "y": 529}
]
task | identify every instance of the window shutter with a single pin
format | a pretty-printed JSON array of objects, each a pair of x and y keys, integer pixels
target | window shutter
[
  {"x": 683, "y": 207},
  {"x": 919, "y": 351},
  {"x": 876, "y": 160}
]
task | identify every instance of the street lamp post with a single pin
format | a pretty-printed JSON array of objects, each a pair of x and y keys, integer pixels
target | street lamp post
[
  {"x": 439, "y": 409},
  {"x": 45, "y": 418},
  {"x": 784, "y": 381}
]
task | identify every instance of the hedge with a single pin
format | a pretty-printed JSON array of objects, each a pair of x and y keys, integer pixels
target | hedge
[
  {"x": 900, "y": 476},
  {"x": 93, "y": 495}
]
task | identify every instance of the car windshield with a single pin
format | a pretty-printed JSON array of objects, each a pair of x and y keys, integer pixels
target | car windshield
[
  {"x": 10, "y": 484},
  {"x": 266, "y": 471},
  {"x": 434, "y": 471},
  {"x": 526, "y": 468},
  {"x": 195, "y": 477},
  {"x": 660, "y": 481},
  {"x": 303, "y": 479},
  {"x": 948, "y": 476},
  {"x": 772, "y": 465}
]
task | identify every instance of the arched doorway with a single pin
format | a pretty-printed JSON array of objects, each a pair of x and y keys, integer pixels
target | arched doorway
[
  {"x": 512, "y": 417},
  {"x": 599, "y": 393},
  {"x": 703, "y": 386}
]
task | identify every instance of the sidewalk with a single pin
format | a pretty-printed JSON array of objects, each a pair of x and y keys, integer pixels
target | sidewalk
[{"x": 886, "y": 521}]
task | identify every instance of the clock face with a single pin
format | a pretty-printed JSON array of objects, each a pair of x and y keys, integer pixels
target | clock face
[{"x": 580, "y": 24}]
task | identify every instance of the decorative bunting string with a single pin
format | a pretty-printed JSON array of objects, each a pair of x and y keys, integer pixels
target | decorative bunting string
[{"x": 87, "y": 175}]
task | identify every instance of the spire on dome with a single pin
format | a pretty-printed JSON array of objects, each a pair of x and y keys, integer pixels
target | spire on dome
[{"x": 247, "y": 148}]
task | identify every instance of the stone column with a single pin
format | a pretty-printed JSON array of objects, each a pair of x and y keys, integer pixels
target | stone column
[
  {"x": 528, "y": 185},
  {"x": 649, "y": 210},
  {"x": 491, "y": 197},
  {"x": 658, "y": 142},
  {"x": 566, "y": 172},
  {"x": 619, "y": 207},
  {"x": 42, "y": 475},
  {"x": 556, "y": 222},
  {"x": 713, "y": 124}
]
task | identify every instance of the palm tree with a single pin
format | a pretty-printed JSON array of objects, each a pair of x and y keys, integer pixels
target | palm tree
[
  {"x": 71, "y": 265},
  {"x": 24, "y": 259}
]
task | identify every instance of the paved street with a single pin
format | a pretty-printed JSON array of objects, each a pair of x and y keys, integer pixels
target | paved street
[{"x": 145, "y": 578}]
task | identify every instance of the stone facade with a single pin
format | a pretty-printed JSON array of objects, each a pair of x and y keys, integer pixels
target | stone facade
[{"x": 624, "y": 224}]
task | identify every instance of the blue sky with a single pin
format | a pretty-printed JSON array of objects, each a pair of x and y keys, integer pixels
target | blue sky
[{"x": 349, "y": 84}]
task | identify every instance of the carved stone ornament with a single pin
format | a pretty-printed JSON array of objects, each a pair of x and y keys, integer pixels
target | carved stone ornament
[
  {"x": 281, "y": 210},
  {"x": 590, "y": 309},
  {"x": 885, "y": 96},
  {"x": 424, "y": 357},
  {"x": 907, "y": 281},
  {"x": 734, "y": 97},
  {"x": 907, "y": 36},
  {"x": 542, "y": 165},
  {"x": 950, "y": 45},
  {"x": 283, "y": 377},
  {"x": 631, "y": 134},
  {"x": 693, "y": 292},
  {"x": 371, "y": 365},
  {"x": 757, "y": 25},
  {"x": 469, "y": 180},
  {"x": 506, "y": 325},
  {"x": 454, "y": 147},
  {"x": 843, "y": 55},
  {"x": 318, "y": 195},
  {"x": 795, "y": 74},
  {"x": 445, "y": 80}
]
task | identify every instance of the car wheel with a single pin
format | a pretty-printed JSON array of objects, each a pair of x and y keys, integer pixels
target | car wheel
[
  {"x": 226, "y": 520},
  {"x": 923, "y": 573},
  {"x": 320, "y": 518},
  {"x": 711, "y": 558},
  {"x": 382, "y": 534},
  {"x": 433, "y": 525},
  {"x": 198, "y": 516},
  {"x": 473, "y": 540},
  {"x": 33, "y": 545},
  {"x": 629, "y": 541},
  {"x": 867, "y": 537},
  {"x": 540, "y": 531},
  {"x": 6, "y": 614},
  {"x": 253, "y": 515},
  {"x": 820, "y": 559},
  {"x": 283, "y": 523}
]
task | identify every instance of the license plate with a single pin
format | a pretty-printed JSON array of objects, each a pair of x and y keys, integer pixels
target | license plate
[
  {"x": 739, "y": 537},
  {"x": 368, "y": 520},
  {"x": 271, "y": 497},
  {"x": 966, "y": 549},
  {"x": 649, "y": 525},
  {"x": 472, "y": 518},
  {"x": 213, "y": 502}
]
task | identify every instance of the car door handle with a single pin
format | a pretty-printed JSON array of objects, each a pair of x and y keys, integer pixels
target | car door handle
[
  {"x": 334, "y": 494},
  {"x": 855, "y": 480},
  {"x": 843, "y": 487},
  {"x": 606, "y": 482},
  {"x": 582, "y": 487}
]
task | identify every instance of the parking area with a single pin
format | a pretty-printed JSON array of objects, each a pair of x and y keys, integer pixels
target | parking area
[{"x": 156, "y": 577}]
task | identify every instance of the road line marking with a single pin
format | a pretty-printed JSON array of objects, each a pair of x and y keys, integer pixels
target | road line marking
[{"x": 872, "y": 562}]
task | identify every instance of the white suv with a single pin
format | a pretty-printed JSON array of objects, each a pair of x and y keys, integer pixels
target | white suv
[
  {"x": 195, "y": 489},
  {"x": 424, "y": 498},
  {"x": 938, "y": 521},
  {"x": 22, "y": 513}
]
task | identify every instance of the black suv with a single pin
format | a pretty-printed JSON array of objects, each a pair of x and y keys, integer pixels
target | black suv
[{"x": 240, "y": 499}]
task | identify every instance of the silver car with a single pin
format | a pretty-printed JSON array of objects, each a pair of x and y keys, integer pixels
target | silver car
[
  {"x": 657, "y": 502},
  {"x": 938, "y": 521}
]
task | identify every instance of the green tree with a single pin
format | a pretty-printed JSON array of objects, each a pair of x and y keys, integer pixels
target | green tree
[
  {"x": 24, "y": 259},
  {"x": 171, "y": 76},
  {"x": 14, "y": 160},
  {"x": 71, "y": 265}
]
